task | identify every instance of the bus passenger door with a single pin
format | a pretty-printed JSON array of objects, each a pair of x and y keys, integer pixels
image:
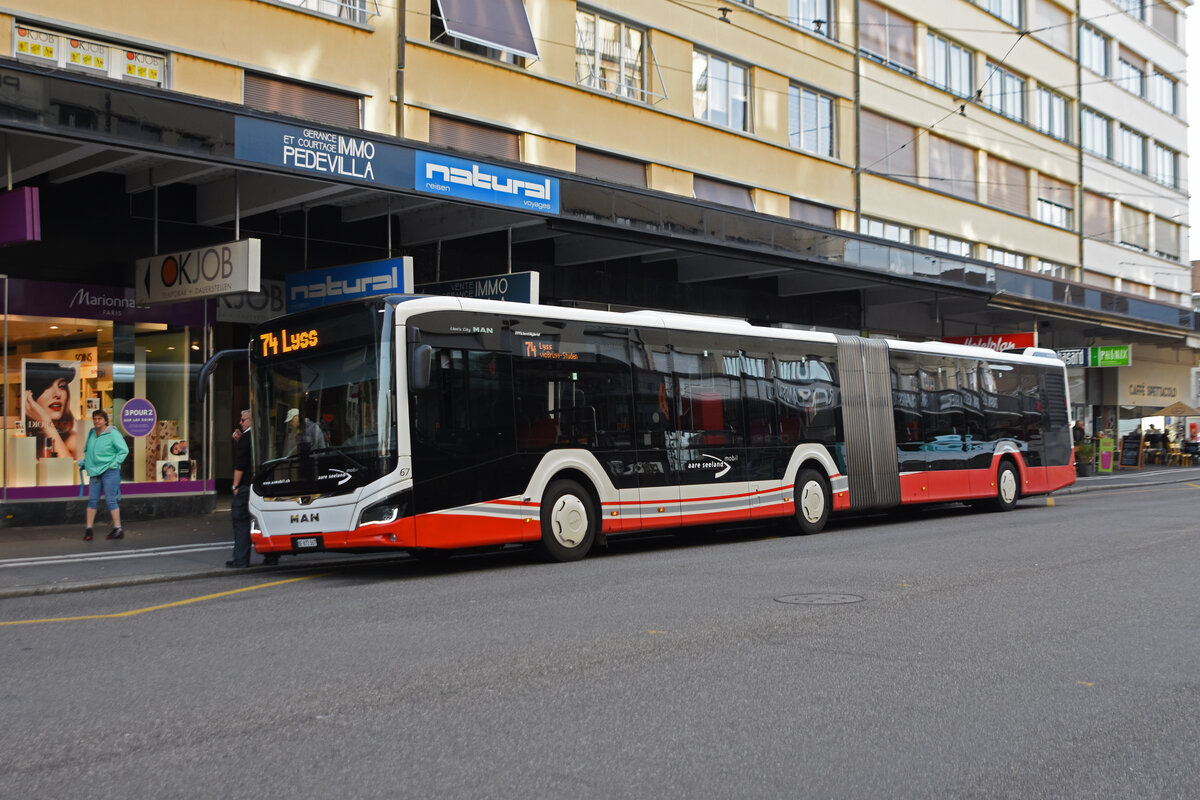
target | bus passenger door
[
  {"x": 709, "y": 442},
  {"x": 655, "y": 430}
]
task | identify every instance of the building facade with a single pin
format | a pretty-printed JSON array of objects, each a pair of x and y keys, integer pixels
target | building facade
[{"x": 917, "y": 169}]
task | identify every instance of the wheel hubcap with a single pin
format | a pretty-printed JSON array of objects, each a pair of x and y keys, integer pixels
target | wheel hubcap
[
  {"x": 812, "y": 502},
  {"x": 569, "y": 521},
  {"x": 1008, "y": 486}
]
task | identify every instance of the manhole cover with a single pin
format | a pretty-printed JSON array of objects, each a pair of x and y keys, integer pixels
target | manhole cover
[{"x": 819, "y": 599}]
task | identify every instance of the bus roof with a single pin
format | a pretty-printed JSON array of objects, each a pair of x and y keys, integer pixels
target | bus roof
[{"x": 702, "y": 323}]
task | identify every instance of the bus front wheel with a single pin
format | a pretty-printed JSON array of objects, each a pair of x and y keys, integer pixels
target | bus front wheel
[
  {"x": 1008, "y": 487},
  {"x": 569, "y": 521},
  {"x": 812, "y": 501}
]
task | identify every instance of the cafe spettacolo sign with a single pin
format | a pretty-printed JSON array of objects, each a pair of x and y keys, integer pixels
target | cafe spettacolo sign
[
  {"x": 211, "y": 271},
  {"x": 324, "y": 153}
]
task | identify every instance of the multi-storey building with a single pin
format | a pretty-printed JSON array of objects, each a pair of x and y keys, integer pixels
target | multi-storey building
[{"x": 912, "y": 168}]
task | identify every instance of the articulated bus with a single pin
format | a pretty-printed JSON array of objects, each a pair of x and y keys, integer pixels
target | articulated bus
[{"x": 449, "y": 423}]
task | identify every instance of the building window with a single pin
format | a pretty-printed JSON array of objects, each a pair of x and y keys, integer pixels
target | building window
[
  {"x": 1052, "y": 113},
  {"x": 359, "y": 11},
  {"x": 887, "y": 146},
  {"x": 1097, "y": 133},
  {"x": 1008, "y": 186},
  {"x": 1007, "y": 10},
  {"x": 1053, "y": 270},
  {"x": 1135, "y": 228},
  {"x": 726, "y": 194},
  {"x": 810, "y": 121},
  {"x": 1164, "y": 92},
  {"x": 1166, "y": 239},
  {"x": 951, "y": 167},
  {"x": 882, "y": 229},
  {"x": 886, "y": 36},
  {"x": 118, "y": 348},
  {"x": 1097, "y": 217},
  {"x": 1004, "y": 258},
  {"x": 615, "y": 169},
  {"x": 1164, "y": 20},
  {"x": 313, "y": 103},
  {"x": 812, "y": 213},
  {"x": 1134, "y": 8},
  {"x": 949, "y": 65},
  {"x": 812, "y": 15},
  {"x": 950, "y": 245},
  {"x": 1131, "y": 150},
  {"x": 1004, "y": 92},
  {"x": 1165, "y": 166},
  {"x": 99, "y": 59},
  {"x": 1093, "y": 50},
  {"x": 1131, "y": 72},
  {"x": 610, "y": 55},
  {"x": 1056, "y": 202},
  {"x": 1052, "y": 25},
  {"x": 720, "y": 91}
]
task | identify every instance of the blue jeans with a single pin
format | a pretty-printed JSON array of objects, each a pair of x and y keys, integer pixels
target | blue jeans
[{"x": 109, "y": 482}]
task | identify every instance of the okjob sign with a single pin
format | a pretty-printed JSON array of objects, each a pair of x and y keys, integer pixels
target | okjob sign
[
  {"x": 205, "y": 272},
  {"x": 486, "y": 183},
  {"x": 322, "y": 153}
]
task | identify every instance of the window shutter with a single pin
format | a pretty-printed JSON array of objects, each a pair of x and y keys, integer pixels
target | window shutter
[
  {"x": 459, "y": 135},
  {"x": 625, "y": 171},
  {"x": 304, "y": 102}
]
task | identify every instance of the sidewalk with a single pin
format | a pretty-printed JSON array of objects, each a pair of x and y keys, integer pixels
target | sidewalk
[{"x": 52, "y": 559}]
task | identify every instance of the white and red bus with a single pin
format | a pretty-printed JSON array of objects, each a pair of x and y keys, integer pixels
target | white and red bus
[{"x": 451, "y": 423}]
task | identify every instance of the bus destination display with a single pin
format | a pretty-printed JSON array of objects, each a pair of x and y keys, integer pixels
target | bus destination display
[
  {"x": 534, "y": 349},
  {"x": 283, "y": 341}
]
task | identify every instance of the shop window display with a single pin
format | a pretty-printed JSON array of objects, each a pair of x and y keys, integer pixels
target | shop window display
[{"x": 59, "y": 369}]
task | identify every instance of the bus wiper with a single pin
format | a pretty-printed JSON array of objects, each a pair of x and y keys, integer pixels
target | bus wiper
[{"x": 340, "y": 452}]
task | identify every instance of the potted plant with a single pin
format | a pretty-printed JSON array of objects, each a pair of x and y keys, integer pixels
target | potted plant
[{"x": 1085, "y": 452}]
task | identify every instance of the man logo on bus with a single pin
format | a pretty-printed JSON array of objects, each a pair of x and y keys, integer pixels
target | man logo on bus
[{"x": 298, "y": 518}]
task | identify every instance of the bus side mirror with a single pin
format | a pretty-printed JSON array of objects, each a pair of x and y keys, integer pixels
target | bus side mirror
[{"x": 419, "y": 367}]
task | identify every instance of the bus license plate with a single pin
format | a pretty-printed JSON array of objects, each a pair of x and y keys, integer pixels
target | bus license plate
[{"x": 306, "y": 543}]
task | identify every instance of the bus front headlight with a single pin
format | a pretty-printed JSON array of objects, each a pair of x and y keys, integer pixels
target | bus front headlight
[{"x": 385, "y": 511}]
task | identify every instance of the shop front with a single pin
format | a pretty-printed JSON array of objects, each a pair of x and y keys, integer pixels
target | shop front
[{"x": 71, "y": 350}]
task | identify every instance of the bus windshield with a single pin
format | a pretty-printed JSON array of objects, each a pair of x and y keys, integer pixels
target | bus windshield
[{"x": 324, "y": 421}]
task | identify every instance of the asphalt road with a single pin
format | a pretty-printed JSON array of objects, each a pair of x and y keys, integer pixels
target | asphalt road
[{"x": 1049, "y": 652}]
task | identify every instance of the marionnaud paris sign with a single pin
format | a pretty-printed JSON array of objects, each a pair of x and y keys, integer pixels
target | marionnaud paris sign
[
  {"x": 325, "y": 153},
  {"x": 210, "y": 271},
  {"x": 318, "y": 287}
]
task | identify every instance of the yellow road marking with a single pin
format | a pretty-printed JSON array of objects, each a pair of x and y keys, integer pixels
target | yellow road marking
[
  {"x": 1049, "y": 501},
  {"x": 177, "y": 603}
]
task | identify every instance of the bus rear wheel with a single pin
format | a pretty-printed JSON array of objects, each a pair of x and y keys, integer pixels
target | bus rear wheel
[
  {"x": 1008, "y": 487},
  {"x": 812, "y": 501},
  {"x": 570, "y": 521}
]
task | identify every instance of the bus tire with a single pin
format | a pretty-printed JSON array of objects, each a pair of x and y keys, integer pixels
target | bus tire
[
  {"x": 1008, "y": 487},
  {"x": 569, "y": 521},
  {"x": 812, "y": 501}
]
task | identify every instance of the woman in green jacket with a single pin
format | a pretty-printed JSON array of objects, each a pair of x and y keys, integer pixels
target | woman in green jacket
[{"x": 103, "y": 454}]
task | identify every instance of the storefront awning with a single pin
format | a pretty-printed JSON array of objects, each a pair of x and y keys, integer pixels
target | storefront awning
[{"x": 502, "y": 24}]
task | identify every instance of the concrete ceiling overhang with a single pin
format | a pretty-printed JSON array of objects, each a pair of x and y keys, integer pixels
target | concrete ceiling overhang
[{"x": 225, "y": 193}]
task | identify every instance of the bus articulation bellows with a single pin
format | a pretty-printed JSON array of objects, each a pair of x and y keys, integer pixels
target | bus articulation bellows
[{"x": 439, "y": 423}]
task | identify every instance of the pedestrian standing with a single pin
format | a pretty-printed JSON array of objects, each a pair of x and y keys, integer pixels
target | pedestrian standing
[
  {"x": 103, "y": 453},
  {"x": 243, "y": 476},
  {"x": 1078, "y": 433}
]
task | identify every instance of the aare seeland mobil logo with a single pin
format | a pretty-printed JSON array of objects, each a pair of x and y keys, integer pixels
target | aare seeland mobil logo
[{"x": 487, "y": 183}]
